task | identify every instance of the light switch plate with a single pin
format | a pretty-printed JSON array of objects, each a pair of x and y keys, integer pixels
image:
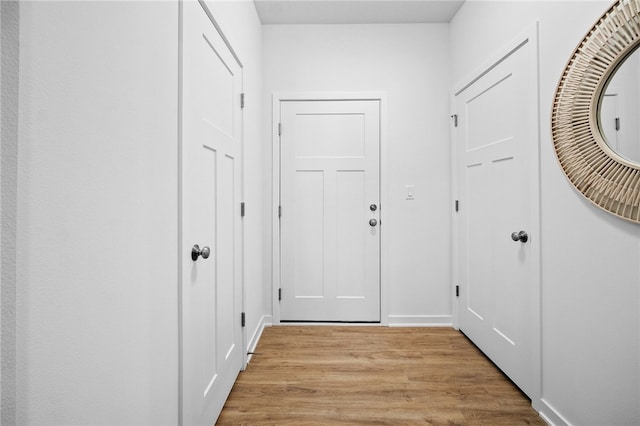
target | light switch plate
[{"x": 410, "y": 192}]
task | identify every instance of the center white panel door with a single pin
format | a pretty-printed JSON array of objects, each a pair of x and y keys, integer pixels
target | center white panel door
[
  {"x": 330, "y": 192},
  {"x": 212, "y": 352},
  {"x": 497, "y": 170}
]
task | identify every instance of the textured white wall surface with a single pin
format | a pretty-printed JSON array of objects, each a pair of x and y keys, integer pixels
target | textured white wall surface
[
  {"x": 97, "y": 227},
  {"x": 590, "y": 259},
  {"x": 0, "y": 215},
  {"x": 9, "y": 70},
  {"x": 411, "y": 64},
  {"x": 1, "y": 251}
]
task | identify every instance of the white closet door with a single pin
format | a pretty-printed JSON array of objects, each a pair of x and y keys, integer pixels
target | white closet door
[
  {"x": 212, "y": 352},
  {"x": 497, "y": 174}
]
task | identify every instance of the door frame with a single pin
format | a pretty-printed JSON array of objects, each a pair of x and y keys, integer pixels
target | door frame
[
  {"x": 275, "y": 190},
  {"x": 529, "y": 36}
]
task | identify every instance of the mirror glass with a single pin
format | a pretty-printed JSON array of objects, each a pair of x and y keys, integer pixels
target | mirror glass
[{"x": 619, "y": 114}]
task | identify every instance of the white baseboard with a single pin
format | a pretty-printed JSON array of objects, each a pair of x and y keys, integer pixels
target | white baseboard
[
  {"x": 265, "y": 321},
  {"x": 268, "y": 320},
  {"x": 420, "y": 321},
  {"x": 550, "y": 414}
]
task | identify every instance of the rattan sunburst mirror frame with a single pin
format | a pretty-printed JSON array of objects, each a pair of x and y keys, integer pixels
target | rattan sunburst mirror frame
[{"x": 608, "y": 180}]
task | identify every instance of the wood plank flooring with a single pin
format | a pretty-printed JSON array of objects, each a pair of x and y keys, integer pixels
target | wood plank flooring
[{"x": 317, "y": 375}]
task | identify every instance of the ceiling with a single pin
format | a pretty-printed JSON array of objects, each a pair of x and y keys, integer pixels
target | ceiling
[{"x": 356, "y": 11}]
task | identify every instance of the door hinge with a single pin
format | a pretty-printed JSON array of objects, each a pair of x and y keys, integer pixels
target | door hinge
[
  {"x": 241, "y": 100},
  {"x": 457, "y": 205},
  {"x": 279, "y": 129},
  {"x": 242, "y": 212},
  {"x": 617, "y": 123},
  {"x": 455, "y": 120},
  {"x": 242, "y": 319},
  {"x": 279, "y": 212},
  {"x": 279, "y": 294},
  {"x": 457, "y": 291}
]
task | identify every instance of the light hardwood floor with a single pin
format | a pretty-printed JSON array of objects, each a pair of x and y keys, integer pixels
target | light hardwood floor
[{"x": 372, "y": 376}]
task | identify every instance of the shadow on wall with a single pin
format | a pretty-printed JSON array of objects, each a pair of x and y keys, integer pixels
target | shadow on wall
[{"x": 9, "y": 66}]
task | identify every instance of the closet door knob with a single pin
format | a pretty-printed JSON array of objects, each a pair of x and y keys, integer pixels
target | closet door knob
[
  {"x": 373, "y": 222},
  {"x": 520, "y": 236},
  {"x": 197, "y": 251}
]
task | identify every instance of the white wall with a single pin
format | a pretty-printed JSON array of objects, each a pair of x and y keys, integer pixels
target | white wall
[
  {"x": 1, "y": 209},
  {"x": 97, "y": 200},
  {"x": 240, "y": 23},
  {"x": 590, "y": 259},
  {"x": 9, "y": 50},
  {"x": 410, "y": 63}
]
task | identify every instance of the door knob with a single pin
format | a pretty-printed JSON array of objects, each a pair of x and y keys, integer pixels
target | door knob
[
  {"x": 520, "y": 236},
  {"x": 373, "y": 222},
  {"x": 197, "y": 251},
  {"x": 373, "y": 207}
]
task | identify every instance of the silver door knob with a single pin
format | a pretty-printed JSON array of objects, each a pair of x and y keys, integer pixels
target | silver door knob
[
  {"x": 197, "y": 251},
  {"x": 520, "y": 236},
  {"x": 373, "y": 222},
  {"x": 373, "y": 207}
]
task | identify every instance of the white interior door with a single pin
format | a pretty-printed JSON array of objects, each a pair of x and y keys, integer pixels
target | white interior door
[
  {"x": 212, "y": 352},
  {"x": 330, "y": 192},
  {"x": 497, "y": 173}
]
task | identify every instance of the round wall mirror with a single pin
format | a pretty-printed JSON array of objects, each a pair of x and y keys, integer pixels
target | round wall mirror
[{"x": 595, "y": 115}]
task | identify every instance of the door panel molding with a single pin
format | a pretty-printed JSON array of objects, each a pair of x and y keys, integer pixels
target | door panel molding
[{"x": 277, "y": 98}]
